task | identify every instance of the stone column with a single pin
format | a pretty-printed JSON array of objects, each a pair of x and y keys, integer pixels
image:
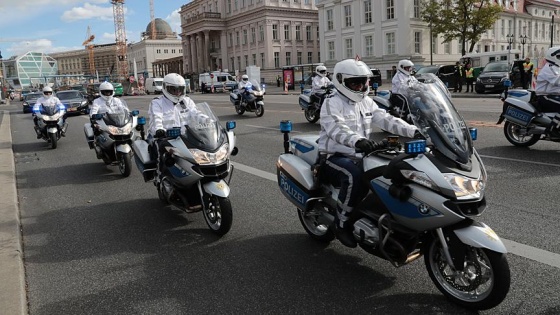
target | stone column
[
  {"x": 192, "y": 60},
  {"x": 206, "y": 54},
  {"x": 187, "y": 53},
  {"x": 224, "y": 49},
  {"x": 200, "y": 60}
]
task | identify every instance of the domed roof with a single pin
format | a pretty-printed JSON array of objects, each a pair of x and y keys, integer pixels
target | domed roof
[{"x": 163, "y": 30}]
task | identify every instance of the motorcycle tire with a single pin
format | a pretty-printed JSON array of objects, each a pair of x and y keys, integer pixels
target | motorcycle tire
[
  {"x": 511, "y": 131},
  {"x": 125, "y": 164},
  {"x": 219, "y": 215},
  {"x": 486, "y": 290},
  {"x": 311, "y": 114},
  {"x": 318, "y": 231},
  {"x": 239, "y": 110},
  {"x": 53, "y": 140},
  {"x": 259, "y": 111}
]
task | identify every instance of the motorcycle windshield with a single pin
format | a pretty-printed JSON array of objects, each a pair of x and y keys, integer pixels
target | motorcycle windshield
[
  {"x": 49, "y": 110},
  {"x": 253, "y": 85},
  {"x": 438, "y": 120},
  {"x": 202, "y": 129},
  {"x": 117, "y": 118}
]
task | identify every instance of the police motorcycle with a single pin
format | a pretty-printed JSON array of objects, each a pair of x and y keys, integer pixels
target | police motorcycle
[
  {"x": 423, "y": 200},
  {"x": 311, "y": 105},
  {"x": 193, "y": 172},
  {"x": 112, "y": 137},
  {"x": 251, "y": 100},
  {"x": 50, "y": 123},
  {"x": 525, "y": 124}
]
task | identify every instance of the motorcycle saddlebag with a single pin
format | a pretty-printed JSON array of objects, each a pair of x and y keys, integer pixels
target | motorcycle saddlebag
[
  {"x": 145, "y": 164},
  {"x": 518, "y": 111},
  {"x": 295, "y": 179},
  {"x": 304, "y": 101},
  {"x": 89, "y": 134},
  {"x": 234, "y": 98},
  {"x": 306, "y": 147}
]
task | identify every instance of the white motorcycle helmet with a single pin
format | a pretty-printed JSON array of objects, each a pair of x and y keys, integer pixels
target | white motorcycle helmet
[
  {"x": 553, "y": 55},
  {"x": 321, "y": 70},
  {"x": 351, "y": 78},
  {"x": 245, "y": 78},
  {"x": 174, "y": 87},
  {"x": 47, "y": 92},
  {"x": 106, "y": 91},
  {"x": 405, "y": 66}
]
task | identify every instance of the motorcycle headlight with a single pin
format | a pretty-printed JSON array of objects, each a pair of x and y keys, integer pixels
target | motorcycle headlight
[
  {"x": 203, "y": 157},
  {"x": 54, "y": 117},
  {"x": 120, "y": 130},
  {"x": 465, "y": 187},
  {"x": 419, "y": 178}
]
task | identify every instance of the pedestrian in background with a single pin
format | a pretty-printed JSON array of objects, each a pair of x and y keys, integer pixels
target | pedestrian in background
[
  {"x": 469, "y": 76},
  {"x": 458, "y": 74},
  {"x": 527, "y": 76},
  {"x": 394, "y": 71},
  {"x": 278, "y": 80}
]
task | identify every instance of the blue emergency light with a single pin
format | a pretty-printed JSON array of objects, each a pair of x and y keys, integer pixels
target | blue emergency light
[
  {"x": 375, "y": 85},
  {"x": 135, "y": 112},
  {"x": 474, "y": 133},
  {"x": 142, "y": 120},
  {"x": 230, "y": 125},
  {"x": 285, "y": 126},
  {"x": 173, "y": 132},
  {"x": 507, "y": 83}
]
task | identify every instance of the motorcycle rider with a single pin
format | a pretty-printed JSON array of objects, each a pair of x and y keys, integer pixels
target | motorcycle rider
[
  {"x": 319, "y": 84},
  {"x": 243, "y": 85},
  {"x": 106, "y": 103},
  {"x": 347, "y": 121},
  {"x": 400, "y": 83},
  {"x": 48, "y": 99},
  {"x": 548, "y": 88}
]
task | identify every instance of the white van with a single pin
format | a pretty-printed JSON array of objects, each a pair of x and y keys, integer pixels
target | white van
[
  {"x": 153, "y": 85},
  {"x": 222, "y": 82}
]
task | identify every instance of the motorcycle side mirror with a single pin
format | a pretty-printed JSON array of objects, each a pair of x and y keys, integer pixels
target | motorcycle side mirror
[
  {"x": 97, "y": 116},
  {"x": 230, "y": 125},
  {"x": 135, "y": 112}
]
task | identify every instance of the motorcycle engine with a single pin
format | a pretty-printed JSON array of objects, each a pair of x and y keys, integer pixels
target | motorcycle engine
[{"x": 366, "y": 232}]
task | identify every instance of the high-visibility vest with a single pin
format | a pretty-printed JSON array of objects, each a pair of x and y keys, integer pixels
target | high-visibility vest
[
  {"x": 527, "y": 66},
  {"x": 469, "y": 73}
]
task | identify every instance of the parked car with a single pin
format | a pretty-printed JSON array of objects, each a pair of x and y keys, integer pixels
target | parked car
[
  {"x": 493, "y": 76},
  {"x": 443, "y": 72},
  {"x": 29, "y": 100},
  {"x": 118, "y": 88},
  {"x": 74, "y": 101}
]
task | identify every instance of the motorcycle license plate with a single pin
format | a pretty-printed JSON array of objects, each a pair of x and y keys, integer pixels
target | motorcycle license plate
[{"x": 489, "y": 85}]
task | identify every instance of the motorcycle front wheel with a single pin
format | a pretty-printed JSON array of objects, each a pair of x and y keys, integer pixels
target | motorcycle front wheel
[
  {"x": 125, "y": 164},
  {"x": 480, "y": 284},
  {"x": 239, "y": 110},
  {"x": 515, "y": 135},
  {"x": 311, "y": 114},
  {"x": 219, "y": 215},
  {"x": 313, "y": 225},
  {"x": 53, "y": 140},
  {"x": 259, "y": 111}
]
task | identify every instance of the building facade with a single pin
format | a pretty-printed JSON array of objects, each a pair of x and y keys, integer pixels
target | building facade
[
  {"x": 384, "y": 32},
  {"x": 230, "y": 35},
  {"x": 32, "y": 69}
]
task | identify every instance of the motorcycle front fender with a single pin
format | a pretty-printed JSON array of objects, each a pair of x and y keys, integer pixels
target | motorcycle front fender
[
  {"x": 52, "y": 130},
  {"x": 124, "y": 148},
  {"x": 260, "y": 103},
  {"x": 220, "y": 188},
  {"x": 480, "y": 235}
]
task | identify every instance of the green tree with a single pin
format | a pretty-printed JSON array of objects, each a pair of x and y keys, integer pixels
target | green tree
[{"x": 465, "y": 20}]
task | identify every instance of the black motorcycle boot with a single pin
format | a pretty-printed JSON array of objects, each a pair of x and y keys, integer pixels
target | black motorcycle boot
[{"x": 343, "y": 230}]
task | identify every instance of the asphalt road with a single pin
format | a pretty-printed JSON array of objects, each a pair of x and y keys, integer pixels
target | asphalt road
[{"x": 96, "y": 243}]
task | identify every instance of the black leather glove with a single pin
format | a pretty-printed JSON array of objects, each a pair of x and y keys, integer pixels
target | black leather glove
[
  {"x": 418, "y": 135},
  {"x": 160, "y": 133},
  {"x": 366, "y": 146}
]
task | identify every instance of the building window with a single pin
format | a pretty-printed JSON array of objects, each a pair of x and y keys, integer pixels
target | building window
[
  {"x": 298, "y": 32},
  {"x": 330, "y": 23},
  {"x": 417, "y": 42},
  {"x": 368, "y": 39},
  {"x": 347, "y": 15},
  {"x": 253, "y": 36},
  {"x": 262, "y": 60},
  {"x": 255, "y": 59},
  {"x": 308, "y": 32},
  {"x": 287, "y": 32},
  {"x": 230, "y": 40},
  {"x": 416, "y": 9},
  {"x": 274, "y": 31},
  {"x": 299, "y": 58},
  {"x": 238, "y": 62},
  {"x": 232, "y": 64},
  {"x": 367, "y": 12},
  {"x": 237, "y": 38},
  {"x": 446, "y": 48},
  {"x": 309, "y": 57},
  {"x": 330, "y": 50},
  {"x": 288, "y": 58},
  {"x": 276, "y": 59},
  {"x": 390, "y": 4},
  {"x": 158, "y": 51},
  {"x": 229, "y": 6},
  {"x": 261, "y": 33},
  {"x": 235, "y": 5},
  {"x": 348, "y": 46},
  {"x": 246, "y": 58},
  {"x": 244, "y": 37},
  {"x": 390, "y": 41}
]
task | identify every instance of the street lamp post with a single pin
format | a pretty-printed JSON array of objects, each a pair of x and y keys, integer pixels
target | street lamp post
[
  {"x": 510, "y": 42},
  {"x": 523, "y": 40}
]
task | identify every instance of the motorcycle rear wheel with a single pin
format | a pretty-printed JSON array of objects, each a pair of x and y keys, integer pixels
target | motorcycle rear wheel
[
  {"x": 317, "y": 230},
  {"x": 219, "y": 215},
  {"x": 125, "y": 164},
  {"x": 481, "y": 284},
  {"x": 239, "y": 110},
  {"x": 311, "y": 114},
  {"x": 511, "y": 131},
  {"x": 259, "y": 111},
  {"x": 53, "y": 140}
]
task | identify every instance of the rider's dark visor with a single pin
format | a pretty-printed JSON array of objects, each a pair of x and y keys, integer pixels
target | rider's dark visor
[
  {"x": 356, "y": 84},
  {"x": 107, "y": 92},
  {"x": 175, "y": 90},
  {"x": 47, "y": 93},
  {"x": 322, "y": 71}
]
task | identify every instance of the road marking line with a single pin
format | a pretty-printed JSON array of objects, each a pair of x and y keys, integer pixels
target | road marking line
[
  {"x": 533, "y": 253},
  {"x": 518, "y": 160},
  {"x": 268, "y": 128}
]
